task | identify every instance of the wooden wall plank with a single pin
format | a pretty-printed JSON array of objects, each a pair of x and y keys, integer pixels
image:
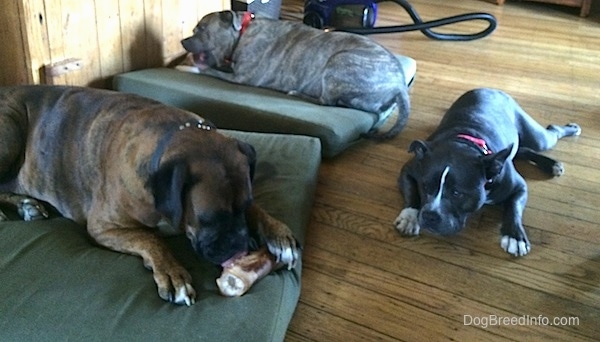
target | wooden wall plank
[
  {"x": 109, "y": 36},
  {"x": 81, "y": 40},
  {"x": 13, "y": 68},
  {"x": 110, "y": 39},
  {"x": 54, "y": 23},
  {"x": 133, "y": 34},
  {"x": 154, "y": 31},
  {"x": 34, "y": 20}
]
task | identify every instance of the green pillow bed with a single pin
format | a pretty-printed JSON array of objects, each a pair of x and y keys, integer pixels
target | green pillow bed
[
  {"x": 245, "y": 108},
  {"x": 58, "y": 285}
]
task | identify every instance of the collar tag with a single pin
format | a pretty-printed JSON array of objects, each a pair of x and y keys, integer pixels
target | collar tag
[{"x": 479, "y": 142}]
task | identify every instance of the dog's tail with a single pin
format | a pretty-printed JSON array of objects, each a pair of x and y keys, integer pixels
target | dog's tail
[
  {"x": 403, "y": 106},
  {"x": 548, "y": 165}
]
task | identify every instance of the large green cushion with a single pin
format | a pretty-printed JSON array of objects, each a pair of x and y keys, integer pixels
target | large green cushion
[
  {"x": 57, "y": 285},
  {"x": 246, "y": 108}
]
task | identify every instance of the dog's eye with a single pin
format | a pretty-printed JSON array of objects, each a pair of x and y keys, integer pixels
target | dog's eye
[{"x": 457, "y": 194}]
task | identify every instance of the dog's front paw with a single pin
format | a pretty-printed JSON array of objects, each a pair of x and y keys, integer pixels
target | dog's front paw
[
  {"x": 277, "y": 235},
  {"x": 576, "y": 129},
  {"x": 174, "y": 286},
  {"x": 407, "y": 223},
  {"x": 558, "y": 169},
  {"x": 285, "y": 248},
  {"x": 514, "y": 246},
  {"x": 31, "y": 210}
]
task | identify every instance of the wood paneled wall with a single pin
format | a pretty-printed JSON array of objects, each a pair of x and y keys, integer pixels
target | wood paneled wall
[{"x": 109, "y": 36}]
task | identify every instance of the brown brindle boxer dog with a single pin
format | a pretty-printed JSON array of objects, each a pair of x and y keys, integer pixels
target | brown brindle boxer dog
[{"x": 121, "y": 163}]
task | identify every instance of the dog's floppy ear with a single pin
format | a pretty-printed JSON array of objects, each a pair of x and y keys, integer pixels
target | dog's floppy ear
[
  {"x": 167, "y": 185},
  {"x": 233, "y": 18},
  {"x": 419, "y": 148},
  {"x": 493, "y": 163},
  {"x": 250, "y": 152}
]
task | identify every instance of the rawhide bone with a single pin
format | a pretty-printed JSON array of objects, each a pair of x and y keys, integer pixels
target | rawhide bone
[{"x": 239, "y": 275}]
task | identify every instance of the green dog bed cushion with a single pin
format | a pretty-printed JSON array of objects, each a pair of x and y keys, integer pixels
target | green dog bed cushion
[
  {"x": 245, "y": 108},
  {"x": 57, "y": 285}
]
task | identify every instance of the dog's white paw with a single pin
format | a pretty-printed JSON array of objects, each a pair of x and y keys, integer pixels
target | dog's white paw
[
  {"x": 558, "y": 169},
  {"x": 174, "y": 283},
  {"x": 514, "y": 247},
  {"x": 185, "y": 295},
  {"x": 407, "y": 223},
  {"x": 287, "y": 254},
  {"x": 31, "y": 210},
  {"x": 576, "y": 127}
]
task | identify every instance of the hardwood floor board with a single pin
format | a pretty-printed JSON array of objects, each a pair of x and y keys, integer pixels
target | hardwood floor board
[
  {"x": 374, "y": 227},
  {"x": 318, "y": 324},
  {"x": 552, "y": 253},
  {"x": 391, "y": 319},
  {"x": 513, "y": 271},
  {"x": 557, "y": 255},
  {"x": 356, "y": 206},
  {"x": 545, "y": 192},
  {"x": 421, "y": 295},
  {"x": 568, "y": 210},
  {"x": 547, "y": 220},
  {"x": 492, "y": 281},
  {"x": 376, "y": 188},
  {"x": 370, "y": 173}
]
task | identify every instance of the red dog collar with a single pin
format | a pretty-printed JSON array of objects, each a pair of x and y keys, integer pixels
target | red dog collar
[
  {"x": 246, "y": 19},
  {"x": 479, "y": 142}
]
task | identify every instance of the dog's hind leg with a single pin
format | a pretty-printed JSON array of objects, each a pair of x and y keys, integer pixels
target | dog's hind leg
[
  {"x": 546, "y": 164},
  {"x": 534, "y": 138},
  {"x": 28, "y": 208},
  {"x": 571, "y": 129},
  {"x": 538, "y": 138}
]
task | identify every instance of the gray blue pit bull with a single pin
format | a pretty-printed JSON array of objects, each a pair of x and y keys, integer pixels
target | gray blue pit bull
[{"x": 468, "y": 162}]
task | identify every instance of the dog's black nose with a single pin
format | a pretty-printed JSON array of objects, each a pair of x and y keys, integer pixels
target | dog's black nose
[
  {"x": 191, "y": 45},
  {"x": 430, "y": 220}
]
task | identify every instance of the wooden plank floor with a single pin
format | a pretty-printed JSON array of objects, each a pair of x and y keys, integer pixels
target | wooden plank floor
[{"x": 363, "y": 282}]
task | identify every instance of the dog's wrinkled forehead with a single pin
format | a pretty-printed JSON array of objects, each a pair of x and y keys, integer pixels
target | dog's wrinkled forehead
[
  {"x": 462, "y": 174},
  {"x": 213, "y": 21},
  {"x": 432, "y": 175}
]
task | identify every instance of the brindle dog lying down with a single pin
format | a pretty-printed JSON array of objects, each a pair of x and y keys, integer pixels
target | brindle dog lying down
[
  {"x": 330, "y": 68},
  {"x": 120, "y": 163}
]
